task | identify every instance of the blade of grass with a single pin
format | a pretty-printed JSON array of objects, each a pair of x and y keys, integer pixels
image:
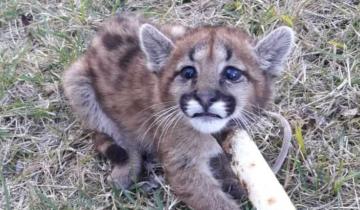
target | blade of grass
[
  {"x": 300, "y": 139},
  {"x": 6, "y": 192}
]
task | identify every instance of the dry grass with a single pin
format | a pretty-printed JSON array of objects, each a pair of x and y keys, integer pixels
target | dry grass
[{"x": 47, "y": 160}]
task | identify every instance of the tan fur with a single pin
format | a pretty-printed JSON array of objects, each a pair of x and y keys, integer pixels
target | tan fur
[
  {"x": 111, "y": 89},
  {"x": 185, "y": 161}
]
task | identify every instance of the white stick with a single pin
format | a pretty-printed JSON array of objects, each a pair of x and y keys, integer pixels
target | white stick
[{"x": 264, "y": 190}]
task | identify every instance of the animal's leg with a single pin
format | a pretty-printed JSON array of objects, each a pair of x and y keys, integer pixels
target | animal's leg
[
  {"x": 221, "y": 170},
  {"x": 126, "y": 162},
  {"x": 194, "y": 183}
]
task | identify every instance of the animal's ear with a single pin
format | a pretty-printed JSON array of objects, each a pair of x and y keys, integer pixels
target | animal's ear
[
  {"x": 273, "y": 50},
  {"x": 156, "y": 46}
]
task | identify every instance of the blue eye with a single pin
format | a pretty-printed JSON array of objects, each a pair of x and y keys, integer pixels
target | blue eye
[
  {"x": 232, "y": 74},
  {"x": 188, "y": 72}
]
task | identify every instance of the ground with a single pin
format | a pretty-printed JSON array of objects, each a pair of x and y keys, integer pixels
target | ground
[{"x": 48, "y": 161}]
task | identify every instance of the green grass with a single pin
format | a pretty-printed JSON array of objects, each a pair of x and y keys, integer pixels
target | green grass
[{"x": 47, "y": 159}]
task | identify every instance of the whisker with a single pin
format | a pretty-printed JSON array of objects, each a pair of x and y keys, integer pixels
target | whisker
[
  {"x": 244, "y": 122},
  {"x": 154, "y": 115},
  {"x": 166, "y": 130},
  {"x": 158, "y": 118},
  {"x": 164, "y": 120},
  {"x": 252, "y": 120},
  {"x": 168, "y": 123},
  {"x": 177, "y": 121},
  {"x": 155, "y": 105}
]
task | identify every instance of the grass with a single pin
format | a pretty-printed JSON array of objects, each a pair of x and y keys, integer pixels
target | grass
[{"x": 47, "y": 160}]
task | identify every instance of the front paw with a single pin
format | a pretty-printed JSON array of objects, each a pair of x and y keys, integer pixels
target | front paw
[
  {"x": 121, "y": 177},
  {"x": 234, "y": 188}
]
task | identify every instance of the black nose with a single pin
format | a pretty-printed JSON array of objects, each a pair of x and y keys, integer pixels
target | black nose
[{"x": 207, "y": 97}]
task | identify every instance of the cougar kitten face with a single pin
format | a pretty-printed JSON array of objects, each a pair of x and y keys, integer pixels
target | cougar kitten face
[
  {"x": 215, "y": 75},
  {"x": 210, "y": 89}
]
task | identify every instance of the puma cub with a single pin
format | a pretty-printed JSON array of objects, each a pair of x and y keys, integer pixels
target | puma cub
[{"x": 166, "y": 90}]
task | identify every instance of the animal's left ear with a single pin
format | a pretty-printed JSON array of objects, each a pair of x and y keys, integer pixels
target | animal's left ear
[
  {"x": 273, "y": 50},
  {"x": 156, "y": 46}
]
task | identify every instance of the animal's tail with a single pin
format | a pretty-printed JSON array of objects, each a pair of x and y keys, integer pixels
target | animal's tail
[{"x": 80, "y": 91}]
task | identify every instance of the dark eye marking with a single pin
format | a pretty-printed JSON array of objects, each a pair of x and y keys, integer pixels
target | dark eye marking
[
  {"x": 188, "y": 72},
  {"x": 191, "y": 54},
  {"x": 228, "y": 53},
  {"x": 232, "y": 74}
]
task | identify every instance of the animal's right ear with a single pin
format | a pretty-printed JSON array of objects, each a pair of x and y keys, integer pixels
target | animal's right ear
[{"x": 156, "y": 46}]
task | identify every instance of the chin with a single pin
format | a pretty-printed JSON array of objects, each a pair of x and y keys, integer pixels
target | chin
[{"x": 208, "y": 125}]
